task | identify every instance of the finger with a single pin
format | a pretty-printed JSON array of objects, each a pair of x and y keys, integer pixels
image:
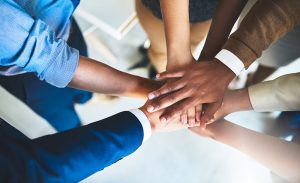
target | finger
[
  {"x": 198, "y": 109},
  {"x": 174, "y": 74},
  {"x": 197, "y": 116},
  {"x": 202, "y": 125},
  {"x": 167, "y": 88},
  {"x": 167, "y": 100},
  {"x": 177, "y": 109},
  {"x": 209, "y": 111},
  {"x": 191, "y": 116},
  {"x": 184, "y": 118}
]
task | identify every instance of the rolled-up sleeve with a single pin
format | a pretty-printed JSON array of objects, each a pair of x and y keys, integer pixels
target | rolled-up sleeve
[{"x": 32, "y": 45}]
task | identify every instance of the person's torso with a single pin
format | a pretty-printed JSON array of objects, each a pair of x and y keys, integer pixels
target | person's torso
[{"x": 199, "y": 10}]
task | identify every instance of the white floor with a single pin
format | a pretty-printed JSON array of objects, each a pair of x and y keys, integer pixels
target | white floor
[{"x": 178, "y": 157}]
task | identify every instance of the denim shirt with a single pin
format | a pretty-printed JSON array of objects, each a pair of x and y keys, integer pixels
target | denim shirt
[{"x": 33, "y": 38}]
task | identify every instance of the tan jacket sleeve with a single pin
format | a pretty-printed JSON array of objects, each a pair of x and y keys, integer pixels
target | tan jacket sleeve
[
  {"x": 267, "y": 21},
  {"x": 281, "y": 94}
]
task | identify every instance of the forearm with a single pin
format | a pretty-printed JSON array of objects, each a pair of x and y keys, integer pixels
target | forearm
[
  {"x": 281, "y": 94},
  {"x": 237, "y": 100},
  {"x": 278, "y": 155},
  {"x": 177, "y": 30},
  {"x": 226, "y": 14},
  {"x": 73, "y": 155},
  {"x": 266, "y": 22},
  {"x": 94, "y": 76}
]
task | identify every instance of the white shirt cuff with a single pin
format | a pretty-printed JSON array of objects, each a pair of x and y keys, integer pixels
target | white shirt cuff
[
  {"x": 144, "y": 122},
  {"x": 231, "y": 61}
]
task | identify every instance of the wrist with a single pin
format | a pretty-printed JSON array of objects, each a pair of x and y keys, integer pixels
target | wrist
[
  {"x": 178, "y": 61},
  {"x": 148, "y": 115},
  {"x": 231, "y": 61},
  {"x": 237, "y": 100},
  {"x": 215, "y": 129},
  {"x": 143, "y": 87},
  {"x": 227, "y": 74}
]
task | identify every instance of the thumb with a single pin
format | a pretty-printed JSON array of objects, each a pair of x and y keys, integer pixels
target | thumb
[
  {"x": 209, "y": 111},
  {"x": 171, "y": 74}
]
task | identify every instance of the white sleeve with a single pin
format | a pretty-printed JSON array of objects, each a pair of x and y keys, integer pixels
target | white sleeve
[
  {"x": 144, "y": 122},
  {"x": 231, "y": 61}
]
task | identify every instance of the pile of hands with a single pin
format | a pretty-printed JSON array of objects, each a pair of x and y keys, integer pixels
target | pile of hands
[{"x": 192, "y": 96}]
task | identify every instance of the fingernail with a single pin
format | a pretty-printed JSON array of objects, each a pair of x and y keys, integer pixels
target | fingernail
[
  {"x": 210, "y": 121},
  {"x": 197, "y": 118},
  {"x": 150, "y": 108},
  {"x": 151, "y": 96},
  {"x": 185, "y": 121},
  {"x": 157, "y": 75},
  {"x": 163, "y": 120}
]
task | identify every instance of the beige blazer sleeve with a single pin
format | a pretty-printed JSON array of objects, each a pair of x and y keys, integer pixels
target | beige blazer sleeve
[
  {"x": 281, "y": 94},
  {"x": 266, "y": 22}
]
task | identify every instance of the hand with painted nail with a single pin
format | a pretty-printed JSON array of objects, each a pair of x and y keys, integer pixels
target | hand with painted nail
[{"x": 199, "y": 83}]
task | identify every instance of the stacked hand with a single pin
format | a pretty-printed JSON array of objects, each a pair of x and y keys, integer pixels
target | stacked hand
[
  {"x": 199, "y": 83},
  {"x": 233, "y": 101},
  {"x": 189, "y": 116},
  {"x": 156, "y": 124}
]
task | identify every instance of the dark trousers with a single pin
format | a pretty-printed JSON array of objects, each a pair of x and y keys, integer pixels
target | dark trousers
[{"x": 56, "y": 105}]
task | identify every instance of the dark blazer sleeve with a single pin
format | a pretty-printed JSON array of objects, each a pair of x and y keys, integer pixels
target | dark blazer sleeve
[{"x": 69, "y": 156}]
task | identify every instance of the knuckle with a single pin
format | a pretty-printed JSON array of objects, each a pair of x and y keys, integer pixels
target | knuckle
[
  {"x": 173, "y": 112},
  {"x": 169, "y": 88},
  {"x": 172, "y": 97},
  {"x": 202, "y": 93},
  {"x": 191, "y": 119},
  {"x": 156, "y": 93}
]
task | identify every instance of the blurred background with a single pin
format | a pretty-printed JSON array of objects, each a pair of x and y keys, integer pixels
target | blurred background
[{"x": 114, "y": 36}]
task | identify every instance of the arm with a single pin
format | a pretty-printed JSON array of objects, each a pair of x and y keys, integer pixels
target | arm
[
  {"x": 257, "y": 31},
  {"x": 69, "y": 156},
  {"x": 266, "y": 22},
  {"x": 227, "y": 12},
  {"x": 281, "y": 94},
  {"x": 33, "y": 46},
  {"x": 280, "y": 156},
  {"x": 75, "y": 154},
  {"x": 94, "y": 76},
  {"x": 177, "y": 32},
  {"x": 203, "y": 82}
]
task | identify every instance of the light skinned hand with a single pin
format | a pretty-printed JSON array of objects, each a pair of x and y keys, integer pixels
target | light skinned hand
[
  {"x": 233, "y": 101},
  {"x": 192, "y": 115},
  {"x": 199, "y": 83},
  {"x": 158, "y": 126}
]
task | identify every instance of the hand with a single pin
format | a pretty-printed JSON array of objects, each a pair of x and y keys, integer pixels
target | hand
[
  {"x": 157, "y": 126},
  {"x": 192, "y": 115},
  {"x": 233, "y": 101},
  {"x": 204, "y": 132},
  {"x": 213, "y": 131},
  {"x": 200, "y": 83}
]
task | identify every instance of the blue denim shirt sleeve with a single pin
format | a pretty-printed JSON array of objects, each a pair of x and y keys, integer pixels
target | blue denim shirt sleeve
[{"x": 31, "y": 44}]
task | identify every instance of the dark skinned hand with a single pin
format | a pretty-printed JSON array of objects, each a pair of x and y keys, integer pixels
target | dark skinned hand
[{"x": 199, "y": 83}]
